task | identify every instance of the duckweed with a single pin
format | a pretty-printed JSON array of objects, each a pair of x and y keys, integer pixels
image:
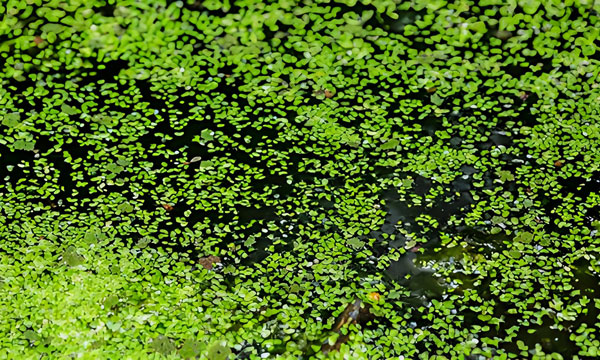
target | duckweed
[{"x": 220, "y": 180}]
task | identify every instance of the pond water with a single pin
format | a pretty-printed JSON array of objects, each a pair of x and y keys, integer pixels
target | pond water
[{"x": 257, "y": 169}]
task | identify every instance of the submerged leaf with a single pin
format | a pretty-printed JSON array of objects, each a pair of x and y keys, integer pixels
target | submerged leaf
[
  {"x": 163, "y": 345},
  {"x": 218, "y": 351}
]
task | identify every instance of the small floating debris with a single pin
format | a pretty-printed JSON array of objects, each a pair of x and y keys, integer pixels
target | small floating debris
[
  {"x": 208, "y": 262},
  {"x": 194, "y": 159}
]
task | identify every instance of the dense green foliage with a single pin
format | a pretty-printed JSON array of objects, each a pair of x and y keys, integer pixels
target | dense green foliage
[{"x": 183, "y": 179}]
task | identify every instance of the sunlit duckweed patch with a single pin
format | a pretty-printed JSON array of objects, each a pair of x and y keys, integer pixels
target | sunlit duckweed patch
[{"x": 343, "y": 179}]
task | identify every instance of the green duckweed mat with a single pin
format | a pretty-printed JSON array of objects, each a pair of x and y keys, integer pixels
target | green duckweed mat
[{"x": 343, "y": 179}]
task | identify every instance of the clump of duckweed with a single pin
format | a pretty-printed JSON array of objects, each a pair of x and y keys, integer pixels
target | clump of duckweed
[{"x": 224, "y": 180}]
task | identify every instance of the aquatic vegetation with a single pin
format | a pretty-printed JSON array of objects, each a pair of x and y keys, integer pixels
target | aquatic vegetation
[{"x": 222, "y": 179}]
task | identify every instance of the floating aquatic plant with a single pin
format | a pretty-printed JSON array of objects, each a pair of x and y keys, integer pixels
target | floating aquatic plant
[{"x": 223, "y": 179}]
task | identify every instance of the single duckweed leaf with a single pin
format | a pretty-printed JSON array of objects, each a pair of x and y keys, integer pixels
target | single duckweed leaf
[
  {"x": 207, "y": 134},
  {"x": 524, "y": 237},
  {"x": 516, "y": 254},
  {"x": 390, "y": 144},
  {"x": 249, "y": 241},
  {"x": 69, "y": 110},
  {"x": 436, "y": 99},
  {"x": 52, "y": 27},
  {"x": 206, "y": 164},
  {"x": 143, "y": 242}
]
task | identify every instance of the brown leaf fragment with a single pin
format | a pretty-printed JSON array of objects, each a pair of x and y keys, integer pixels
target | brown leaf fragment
[
  {"x": 352, "y": 314},
  {"x": 208, "y": 262}
]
